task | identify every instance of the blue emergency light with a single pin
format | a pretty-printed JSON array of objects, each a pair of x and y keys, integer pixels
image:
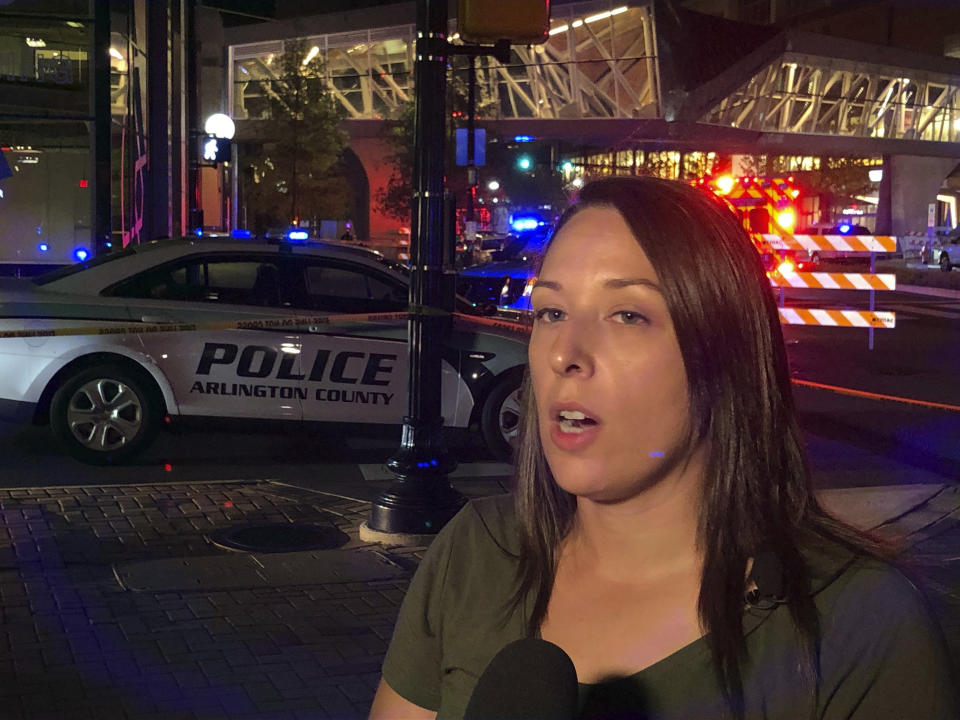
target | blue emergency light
[
  {"x": 241, "y": 234},
  {"x": 523, "y": 138},
  {"x": 524, "y": 222},
  {"x": 844, "y": 229},
  {"x": 81, "y": 254},
  {"x": 297, "y": 235},
  {"x": 43, "y": 247}
]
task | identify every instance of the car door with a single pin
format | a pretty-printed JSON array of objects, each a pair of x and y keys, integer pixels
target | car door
[
  {"x": 220, "y": 371},
  {"x": 358, "y": 373}
]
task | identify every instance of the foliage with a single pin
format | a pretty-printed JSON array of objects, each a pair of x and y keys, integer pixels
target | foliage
[
  {"x": 399, "y": 135},
  {"x": 841, "y": 180},
  {"x": 296, "y": 176}
]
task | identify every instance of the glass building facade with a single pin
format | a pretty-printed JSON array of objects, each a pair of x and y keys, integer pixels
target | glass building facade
[{"x": 78, "y": 82}]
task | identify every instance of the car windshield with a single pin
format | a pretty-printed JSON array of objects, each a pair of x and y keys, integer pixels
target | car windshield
[{"x": 527, "y": 243}]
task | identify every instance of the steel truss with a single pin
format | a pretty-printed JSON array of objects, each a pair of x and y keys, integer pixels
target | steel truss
[
  {"x": 800, "y": 93},
  {"x": 599, "y": 62}
]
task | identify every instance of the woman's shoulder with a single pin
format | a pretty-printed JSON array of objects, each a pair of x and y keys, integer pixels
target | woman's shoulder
[
  {"x": 484, "y": 523},
  {"x": 868, "y": 600},
  {"x": 879, "y": 635},
  {"x": 838, "y": 571}
]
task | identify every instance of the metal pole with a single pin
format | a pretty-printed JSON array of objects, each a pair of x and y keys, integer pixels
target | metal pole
[
  {"x": 193, "y": 134},
  {"x": 873, "y": 257},
  {"x": 102, "y": 220},
  {"x": 471, "y": 111},
  {"x": 421, "y": 500}
]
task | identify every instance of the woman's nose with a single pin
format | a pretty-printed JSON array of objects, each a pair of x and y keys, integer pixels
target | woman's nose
[{"x": 570, "y": 354}]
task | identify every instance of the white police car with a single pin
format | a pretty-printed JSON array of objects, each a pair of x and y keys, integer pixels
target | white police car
[{"x": 124, "y": 356}]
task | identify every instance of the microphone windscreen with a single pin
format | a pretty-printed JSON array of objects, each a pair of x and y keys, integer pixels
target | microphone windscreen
[{"x": 529, "y": 679}]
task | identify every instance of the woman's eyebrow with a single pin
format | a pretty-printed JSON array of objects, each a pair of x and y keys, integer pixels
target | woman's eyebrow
[
  {"x": 613, "y": 284},
  {"x": 616, "y": 283}
]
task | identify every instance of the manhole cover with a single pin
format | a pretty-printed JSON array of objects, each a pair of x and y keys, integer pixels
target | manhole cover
[{"x": 280, "y": 537}]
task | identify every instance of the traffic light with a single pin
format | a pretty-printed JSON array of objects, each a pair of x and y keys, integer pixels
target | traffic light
[
  {"x": 524, "y": 163},
  {"x": 522, "y": 22},
  {"x": 214, "y": 149}
]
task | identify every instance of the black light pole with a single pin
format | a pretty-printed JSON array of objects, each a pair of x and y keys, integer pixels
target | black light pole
[
  {"x": 421, "y": 500},
  {"x": 102, "y": 222}
]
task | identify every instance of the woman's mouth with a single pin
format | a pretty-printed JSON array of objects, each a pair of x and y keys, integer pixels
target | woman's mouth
[
  {"x": 574, "y": 421},
  {"x": 573, "y": 427}
]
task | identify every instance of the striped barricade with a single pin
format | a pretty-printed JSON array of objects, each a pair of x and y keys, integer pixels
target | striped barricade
[
  {"x": 863, "y": 244},
  {"x": 833, "y": 243},
  {"x": 834, "y": 281},
  {"x": 838, "y": 318}
]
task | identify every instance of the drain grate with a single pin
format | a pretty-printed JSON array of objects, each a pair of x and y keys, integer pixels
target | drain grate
[{"x": 280, "y": 537}]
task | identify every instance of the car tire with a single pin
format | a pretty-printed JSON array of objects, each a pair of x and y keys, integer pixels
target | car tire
[
  {"x": 105, "y": 414},
  {"x": 945, "y": 264},
  {"x": 500, "y": 419}
]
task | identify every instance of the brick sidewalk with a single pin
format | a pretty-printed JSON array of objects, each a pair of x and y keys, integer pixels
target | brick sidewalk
[{"x": 77, "y": 644}]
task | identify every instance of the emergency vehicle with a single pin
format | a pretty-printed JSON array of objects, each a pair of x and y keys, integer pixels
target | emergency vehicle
[
  {"x": 110, "y": 350},
  {"x": 766, "y": 206}
]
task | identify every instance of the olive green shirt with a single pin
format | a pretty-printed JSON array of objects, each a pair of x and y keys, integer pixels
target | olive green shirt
[{"x": 882, "y": 655}]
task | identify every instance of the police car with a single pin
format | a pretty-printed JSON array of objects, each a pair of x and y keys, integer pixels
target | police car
[
  {"x": 507, "y": 281},
  {"x": 109, "y": 350}
]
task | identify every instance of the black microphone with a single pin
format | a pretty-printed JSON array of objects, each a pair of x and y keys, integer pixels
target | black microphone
[{"x": 529, "y": 679}]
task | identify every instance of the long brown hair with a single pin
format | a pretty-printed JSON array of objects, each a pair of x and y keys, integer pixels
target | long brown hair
[{"x": 758, "y": 495}]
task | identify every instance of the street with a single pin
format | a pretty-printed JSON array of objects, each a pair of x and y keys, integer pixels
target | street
[
  {"x": 916, "y": 360},
  {"x": 120, "y": 601}
]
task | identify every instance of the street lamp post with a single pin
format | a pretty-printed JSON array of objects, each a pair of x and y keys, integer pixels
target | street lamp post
[{"x": 420, "y": 501}]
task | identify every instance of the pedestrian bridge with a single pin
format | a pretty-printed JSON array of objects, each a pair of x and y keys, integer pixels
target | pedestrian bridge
[{"x": 614, "y": 60}]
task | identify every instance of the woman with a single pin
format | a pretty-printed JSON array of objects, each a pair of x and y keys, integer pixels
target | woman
[{"x": 663, "y": 530}]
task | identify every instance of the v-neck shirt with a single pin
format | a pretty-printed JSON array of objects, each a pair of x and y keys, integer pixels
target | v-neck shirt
[{"x": 882, "y": 653}]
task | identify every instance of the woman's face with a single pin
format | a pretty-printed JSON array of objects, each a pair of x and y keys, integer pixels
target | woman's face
[{"x": 608, "y": 377}]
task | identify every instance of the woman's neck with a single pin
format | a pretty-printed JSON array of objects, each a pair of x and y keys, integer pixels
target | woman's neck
[{"x": 647, "y": 537}]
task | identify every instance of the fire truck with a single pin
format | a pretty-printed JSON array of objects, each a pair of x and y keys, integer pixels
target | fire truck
[{"x": 766, "y": 206}]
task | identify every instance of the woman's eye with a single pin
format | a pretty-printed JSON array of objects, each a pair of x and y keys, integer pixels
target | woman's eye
[
  {"x": 629, "y": 317},
  {"x": 549, "y": 314}
]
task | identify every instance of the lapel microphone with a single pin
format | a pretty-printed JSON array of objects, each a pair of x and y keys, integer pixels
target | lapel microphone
[{"x": 766, "y": 576}]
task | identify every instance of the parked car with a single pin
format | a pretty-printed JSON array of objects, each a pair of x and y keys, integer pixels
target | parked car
[
  {"x": 944, "y": 251},
  {"x": 506, "y": 281},
  {"x": 264, "y": 352}
]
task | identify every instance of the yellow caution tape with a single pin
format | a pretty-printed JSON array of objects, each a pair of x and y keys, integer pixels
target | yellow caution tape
[
  {"x": 252, "y": 324},
  {"x": 258, "y": 324}
]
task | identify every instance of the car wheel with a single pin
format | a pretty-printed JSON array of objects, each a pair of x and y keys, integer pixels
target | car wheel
[
  {"x": 500, "y": 420},
  {"x": 104, "y": 414},
  {"x": 945, "y": 262}
]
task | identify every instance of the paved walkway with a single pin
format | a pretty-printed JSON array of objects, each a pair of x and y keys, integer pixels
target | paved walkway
[{"x": 116, "y": 604}]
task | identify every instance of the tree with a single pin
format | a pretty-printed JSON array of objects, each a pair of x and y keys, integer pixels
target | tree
[
  {"x": 394, "y": 199},
  {"x": 296, "y": 175}
]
